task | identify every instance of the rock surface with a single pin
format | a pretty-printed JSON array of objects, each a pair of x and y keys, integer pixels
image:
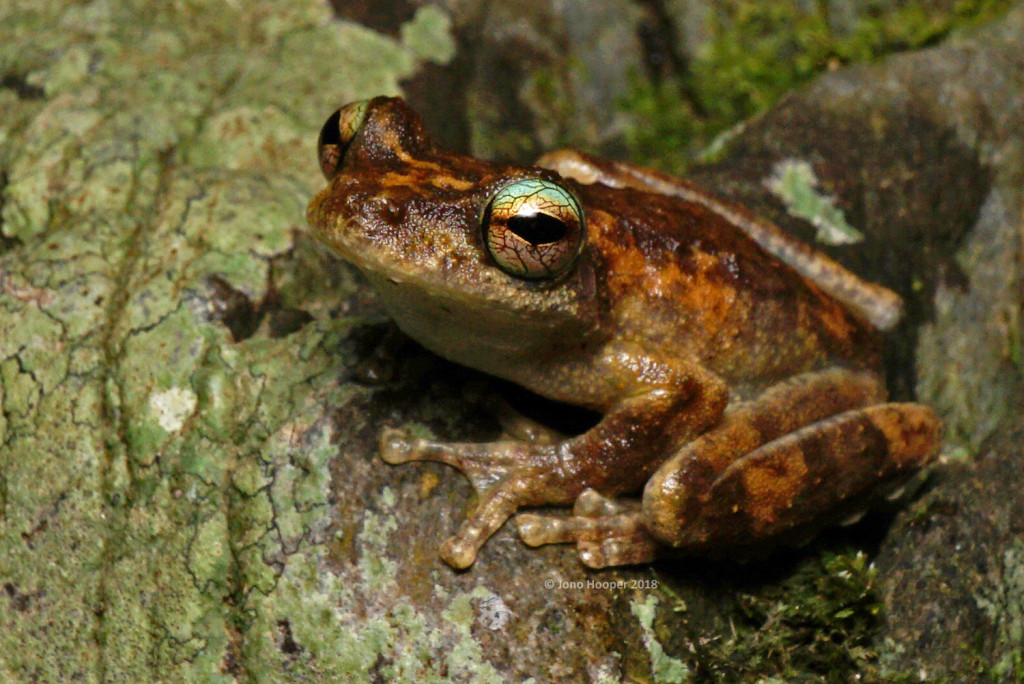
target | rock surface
[
  {"x": 925, "y": 153},
  {"x": 191, "y": 389}
]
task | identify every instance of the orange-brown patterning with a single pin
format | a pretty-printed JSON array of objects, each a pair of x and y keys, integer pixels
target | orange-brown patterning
[{"x": 735, "y": 369}]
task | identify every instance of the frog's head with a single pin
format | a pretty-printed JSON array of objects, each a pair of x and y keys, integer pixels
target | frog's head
[{"x": 481, "y": 262}]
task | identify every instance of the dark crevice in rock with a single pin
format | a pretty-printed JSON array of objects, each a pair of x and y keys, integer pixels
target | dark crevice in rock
[
  {"x": 663, "y": 59},
  {"x": 287, "y": 642},
  {"x": 385, "y": 17},
  {"x": 7, "y": 243},
  {"x": 233, "y": 309},
  {"x": 21, "y": 87},
  {"x": 286, "y": 320},
  {"x": 239, "y": 314},
  {"x": 19, "y": 601},
  {"x": 438, "y": 93}
]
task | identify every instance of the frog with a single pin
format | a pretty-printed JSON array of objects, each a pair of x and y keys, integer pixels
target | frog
[{"x": 735, "y": 371}]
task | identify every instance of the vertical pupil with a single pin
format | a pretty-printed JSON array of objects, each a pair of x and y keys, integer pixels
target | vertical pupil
[{"x": 538, "y": 229}]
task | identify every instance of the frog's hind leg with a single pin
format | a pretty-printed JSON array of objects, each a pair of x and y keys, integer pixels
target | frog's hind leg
[
  {"x": 796, "y": 484},
  {"x": 781, "y": 464},
  {"x": 508, "y": 475}
]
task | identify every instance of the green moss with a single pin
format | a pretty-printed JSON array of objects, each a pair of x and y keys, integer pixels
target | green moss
[
  {"x": 817, "y": 620},
  {"x": 666, "y": 132},
  {"x": 814, "y": 624},
  {"x": 759, "y": 50}
]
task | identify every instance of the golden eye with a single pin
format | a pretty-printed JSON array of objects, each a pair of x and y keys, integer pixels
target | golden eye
[
  {"x": 337, "y": 133},
  {"x": 533, "y": 229}
]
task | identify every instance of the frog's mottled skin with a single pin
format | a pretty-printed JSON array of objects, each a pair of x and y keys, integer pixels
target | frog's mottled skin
[{"x": 736, "y": 369}]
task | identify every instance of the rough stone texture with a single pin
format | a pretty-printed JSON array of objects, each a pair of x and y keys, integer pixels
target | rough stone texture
[
  {"x": 925, "y": 154},
  {"x": 527, "y": 75},
  {"x": 954, "y": 571},
  {"x": 191, "y": 390},
  {"x": 650, "y": 79},
  {"x": 954, "y": 565}
]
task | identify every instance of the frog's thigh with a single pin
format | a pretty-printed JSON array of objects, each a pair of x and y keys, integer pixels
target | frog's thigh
[
  {"x": 797, "y": 479},
  {"x": 680, "y": 497},
  {"x": 675, "y": 492}
]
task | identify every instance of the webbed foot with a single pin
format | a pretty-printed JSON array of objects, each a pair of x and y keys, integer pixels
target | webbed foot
[
  {"x": 505, "y": 476},
  {"x": 606, "y": 532}
]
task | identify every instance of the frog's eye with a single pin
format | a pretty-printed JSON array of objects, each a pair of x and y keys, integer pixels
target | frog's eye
[
  {"x": 533, "y": 229},
  {"x": 337, "y": 133}
]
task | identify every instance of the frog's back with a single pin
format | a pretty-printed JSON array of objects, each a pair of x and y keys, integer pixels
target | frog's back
[{"x": 683, "y": 279}]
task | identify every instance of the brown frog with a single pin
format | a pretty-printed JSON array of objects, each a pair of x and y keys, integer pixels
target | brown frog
[{"x": 735, "y": 369}]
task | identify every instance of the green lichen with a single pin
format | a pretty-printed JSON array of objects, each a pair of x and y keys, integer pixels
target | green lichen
[
  {"x": 163, "y": 485},
  {"x": 663, "y": 667},
  {"x": 793, "y": 181},
  {"x": 1004, "y": 606},
  {"x": 757, "y": 51},
  {"x": 428, "y": 35},
  {"x": 393, "y": 639}
]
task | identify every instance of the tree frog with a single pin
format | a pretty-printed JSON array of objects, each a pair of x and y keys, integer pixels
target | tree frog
[{"x": 735, "y": 369}]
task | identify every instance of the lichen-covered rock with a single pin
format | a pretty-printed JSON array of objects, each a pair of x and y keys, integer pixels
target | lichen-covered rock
[
  {"x": 190, "y": 389},
  {"x": 954, "y": 571}
]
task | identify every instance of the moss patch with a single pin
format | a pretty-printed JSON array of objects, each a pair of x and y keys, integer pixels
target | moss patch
[
  {"x": 813, "y": 623},
  {"x": 756, "y": 51}
]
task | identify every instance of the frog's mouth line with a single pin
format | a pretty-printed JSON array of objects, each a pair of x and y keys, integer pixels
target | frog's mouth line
[
  {"x": 446, "y": 293},
  {"x": 478, "y": 285}
]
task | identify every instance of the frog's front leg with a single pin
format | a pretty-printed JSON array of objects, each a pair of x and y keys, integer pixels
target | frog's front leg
[
  {"x": 615, "y": 456},
  {"x": 784, "y": 463}
]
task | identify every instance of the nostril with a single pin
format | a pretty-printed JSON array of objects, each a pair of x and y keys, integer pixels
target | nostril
[{"x": 389, "y": 210}]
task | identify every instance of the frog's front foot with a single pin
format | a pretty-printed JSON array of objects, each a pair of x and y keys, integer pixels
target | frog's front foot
[
  {"x": 505, "y": 476},
  {"x": 606, "y": 532}
]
